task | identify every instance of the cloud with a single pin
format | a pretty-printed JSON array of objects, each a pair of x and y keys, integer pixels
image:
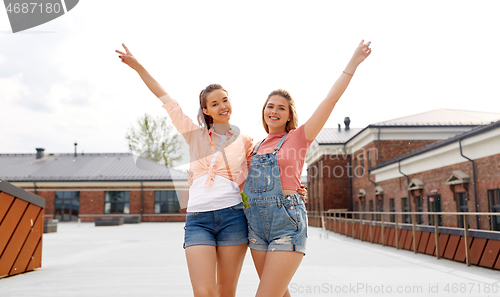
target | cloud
[{"x": 13, "y": 88}]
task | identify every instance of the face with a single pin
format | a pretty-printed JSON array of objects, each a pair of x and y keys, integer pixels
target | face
[
  {"x": 277, "y": 114},
  {"x": 218, "y": 107}
]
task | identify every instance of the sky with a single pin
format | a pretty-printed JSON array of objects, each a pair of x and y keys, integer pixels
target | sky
[{"x": 62, "y": 81}]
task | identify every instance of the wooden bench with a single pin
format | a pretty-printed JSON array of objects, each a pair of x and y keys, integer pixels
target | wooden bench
[
  {"x": 50, "y": 226},
  {"x": 132, "y": 220},
  {"x": 109, "y": 221}
]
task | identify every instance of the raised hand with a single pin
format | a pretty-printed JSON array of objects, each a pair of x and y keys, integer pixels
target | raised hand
[
  {"x": 128, "y": 58},
  {"x": 362, "y": 52}
]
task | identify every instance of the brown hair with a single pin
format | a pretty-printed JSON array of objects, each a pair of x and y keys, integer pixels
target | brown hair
[
  {"x": 294, "y": 120},
  {"x": 203, "y": 119}
]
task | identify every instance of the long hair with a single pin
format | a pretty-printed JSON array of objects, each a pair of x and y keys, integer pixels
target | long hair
[
  {"x": 204, "y": 120},
  {"x": 294, "y": 120}
]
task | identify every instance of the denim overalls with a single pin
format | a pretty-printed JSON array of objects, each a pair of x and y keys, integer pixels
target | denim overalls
[{"x": 276, "y": 222}]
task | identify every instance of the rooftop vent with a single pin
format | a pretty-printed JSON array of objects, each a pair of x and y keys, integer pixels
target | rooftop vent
[
  {"x": 347, "y": 121},
  {"x": 39, "y": 153}
]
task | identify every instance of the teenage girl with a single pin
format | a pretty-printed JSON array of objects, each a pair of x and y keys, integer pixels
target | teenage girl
[
  {"x": 277, "y": 219},
  {"x": 216, "y": 231}
]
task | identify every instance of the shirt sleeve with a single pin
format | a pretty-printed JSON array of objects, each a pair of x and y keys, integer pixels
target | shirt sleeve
[
  {"x": 249, "y": 147},
  {"x": 180, "y": 120},
  {"x": 300, "y": 134}
]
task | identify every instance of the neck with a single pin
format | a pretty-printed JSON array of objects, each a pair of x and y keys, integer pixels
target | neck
[
  {"x": 276, "y": 130},
  {"x": 221, "y": 128}
]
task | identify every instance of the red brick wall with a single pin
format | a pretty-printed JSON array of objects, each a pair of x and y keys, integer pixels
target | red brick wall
[
  {"x": 487, "y": 178},
  {"x": 49, "y": 201},
  {"x": 179, "y": 218},
  {"x": 328, "y": 188},
  {"x": 335, "y": 180},
  {"x": 92, "y": 202},
  {"x": 390, "y": 149}
]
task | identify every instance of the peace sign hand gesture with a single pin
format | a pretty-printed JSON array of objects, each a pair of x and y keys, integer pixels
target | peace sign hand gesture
[
  {"x": 362, "y": 52},
  {"x": 128, "y": 58}
]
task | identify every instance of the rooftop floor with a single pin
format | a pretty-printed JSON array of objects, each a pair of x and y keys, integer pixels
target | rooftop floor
[{"x": 147, "y": 259}]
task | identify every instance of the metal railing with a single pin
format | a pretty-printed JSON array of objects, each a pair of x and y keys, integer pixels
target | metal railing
[{"x": 339, "y": 216}]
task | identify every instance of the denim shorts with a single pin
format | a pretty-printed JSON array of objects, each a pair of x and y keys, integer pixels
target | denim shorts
[
  {"x": 222, "y": 227},
  {"x": 277, "y": 223}
]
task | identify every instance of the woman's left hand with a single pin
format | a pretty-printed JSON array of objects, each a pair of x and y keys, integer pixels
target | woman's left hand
[
  {"x": 303, "y": 192},
  {"x": 362, "y": 52}
]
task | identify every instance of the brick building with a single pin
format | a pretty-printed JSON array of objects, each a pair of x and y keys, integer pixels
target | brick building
[
  {"x": 85, "y": 186},
  {"x": 410, "y": 164}
]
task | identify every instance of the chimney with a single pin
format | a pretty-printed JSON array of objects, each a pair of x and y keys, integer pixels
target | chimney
[
  {"x": 347, "y": 121},
  {"x": 39, "y": 153},
  {"x": 75, "y": 147}
]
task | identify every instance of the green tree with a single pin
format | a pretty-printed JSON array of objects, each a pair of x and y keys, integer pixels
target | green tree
[{"x": 155, "y": 139}]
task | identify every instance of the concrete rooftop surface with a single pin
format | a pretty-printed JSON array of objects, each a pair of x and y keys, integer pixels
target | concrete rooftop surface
[{"x": 147, "y": 259}]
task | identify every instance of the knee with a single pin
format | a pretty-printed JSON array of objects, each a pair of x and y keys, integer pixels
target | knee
[
  {"x": 208, "y": 291},
  {"x": 226, "y": 291}
]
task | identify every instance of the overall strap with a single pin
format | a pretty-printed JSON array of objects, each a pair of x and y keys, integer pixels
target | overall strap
[
  {"x": 257, "y": 147},
  {"x": 277, "y": 148}
]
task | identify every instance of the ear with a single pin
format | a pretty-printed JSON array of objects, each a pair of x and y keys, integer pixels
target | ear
[{"x": 205, "y": 111}]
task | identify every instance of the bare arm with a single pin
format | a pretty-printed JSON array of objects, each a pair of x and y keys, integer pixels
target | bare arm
[
  {"x": 314, "y": 125},
  {"x": 152, "y": 84}
]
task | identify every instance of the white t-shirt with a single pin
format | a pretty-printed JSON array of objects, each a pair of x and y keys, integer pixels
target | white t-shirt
[{"x": 222, "y": 193}]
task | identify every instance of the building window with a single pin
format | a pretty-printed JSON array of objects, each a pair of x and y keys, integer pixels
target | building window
[
  {"x": 380, "y": 208},
  {"x": 116, "y": 202},
  {"x": 392, "y": 209},
  {"x": 405, "y": 208},
  {"x": 363, "y": 206},
  {"x": 356, "y": 206},
  {"x": 369, "y": 159},
  {"x": 371, "y": 210},
  {"x": 166, "y": 202},
  {"x": 355, "y": 167},
  {"x": 66, "y": 205},
  {"x": 462, "y": 207},
  {"x": 362, "y": 164},
  {"x": 494, "y": 196},
  {"x": 434, "y": 205},
  {"x": 420, "y": 208}
]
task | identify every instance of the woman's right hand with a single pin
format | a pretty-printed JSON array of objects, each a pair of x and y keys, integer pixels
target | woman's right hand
[{"x": 128, "y": 58}]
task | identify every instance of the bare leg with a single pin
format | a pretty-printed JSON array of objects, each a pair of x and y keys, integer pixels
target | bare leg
[
  {"x": 201, "y": 260},
  {"x": 229, "y": 263},
  {"x": 259, "y": 260}
]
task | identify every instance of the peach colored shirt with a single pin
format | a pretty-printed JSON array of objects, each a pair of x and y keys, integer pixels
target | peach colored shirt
[
  {"x": 291, "y": 156},
  {"x": 201, "y": 147}
]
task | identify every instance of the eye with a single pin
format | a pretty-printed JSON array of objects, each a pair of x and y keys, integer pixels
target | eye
[
  {"x": 269, "y": 106},
  {"x": 282, "y": 108}
]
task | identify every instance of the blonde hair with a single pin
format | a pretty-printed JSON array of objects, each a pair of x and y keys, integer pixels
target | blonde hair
[{"x": 294, "y": 121}]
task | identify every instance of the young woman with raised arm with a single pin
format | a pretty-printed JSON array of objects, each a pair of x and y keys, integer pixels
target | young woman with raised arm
[
  {"x": 277, "y": 219},
  {"x": 216, "y": 231}
]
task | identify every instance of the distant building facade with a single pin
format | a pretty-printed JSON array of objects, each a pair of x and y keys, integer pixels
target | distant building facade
[
  {"x": 419, "y": 163},
  {"x": 86, "y": 186}
]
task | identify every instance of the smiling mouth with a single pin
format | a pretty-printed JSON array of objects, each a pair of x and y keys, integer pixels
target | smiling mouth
[
  {"x": 274, "y": 118},
  {"x": 224, "y": 113}
]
